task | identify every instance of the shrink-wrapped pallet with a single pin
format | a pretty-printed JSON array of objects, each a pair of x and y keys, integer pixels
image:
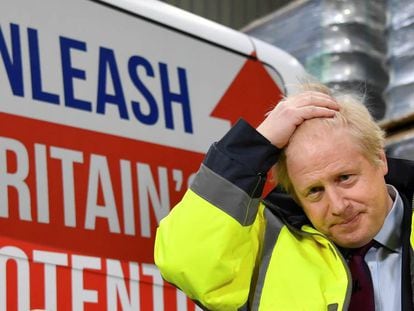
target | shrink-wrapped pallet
[{"x": 341, "y": 43}]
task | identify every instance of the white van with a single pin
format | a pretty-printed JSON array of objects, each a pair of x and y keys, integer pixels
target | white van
[{"x": 106, "y": 110}]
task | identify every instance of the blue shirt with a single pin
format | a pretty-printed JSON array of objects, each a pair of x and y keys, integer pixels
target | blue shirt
[{"x": 385, "y": 261}]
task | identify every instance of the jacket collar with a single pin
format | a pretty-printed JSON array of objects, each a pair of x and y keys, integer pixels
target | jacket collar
[{"x": 401, "y": 176}]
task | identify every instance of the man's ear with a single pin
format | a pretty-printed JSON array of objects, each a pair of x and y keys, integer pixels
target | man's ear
[
  {"x": 383, "y": 162},
  {"x": 273, "y": 175}
]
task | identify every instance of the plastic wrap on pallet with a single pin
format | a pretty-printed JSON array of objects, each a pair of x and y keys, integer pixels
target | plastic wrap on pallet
[
  {"x": 346, "y": 67},
  {"x": 339, "y": 42},
  {"x": 370, "y": 13},
  {"x": 400, "y": 40},
  {"x": 399, "y": 93},
  {"x": 402, "y": 69},
  {"x": 400, "y": 101},
  {"x": 399, "y": 13}
]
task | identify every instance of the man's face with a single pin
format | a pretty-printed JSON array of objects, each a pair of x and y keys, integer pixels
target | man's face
[{"x": 343, "y": 193}]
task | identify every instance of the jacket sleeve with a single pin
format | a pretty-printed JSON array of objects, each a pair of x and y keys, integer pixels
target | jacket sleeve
[{"x": 209, "y": 243}]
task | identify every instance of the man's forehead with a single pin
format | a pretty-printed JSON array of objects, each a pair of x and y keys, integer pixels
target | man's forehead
[
  {"x": 313, "y": 132},
  {"x": 314, "y": 150}
]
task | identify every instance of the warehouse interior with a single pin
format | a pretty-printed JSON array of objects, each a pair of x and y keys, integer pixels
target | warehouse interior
[{"x": 346, "y": 44}]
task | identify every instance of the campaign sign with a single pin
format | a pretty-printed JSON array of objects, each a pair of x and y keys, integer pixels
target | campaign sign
[{"x": 105, "y": 114}]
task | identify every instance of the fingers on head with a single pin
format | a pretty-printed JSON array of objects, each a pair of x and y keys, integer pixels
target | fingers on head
[{"x": 312, "y": 112}]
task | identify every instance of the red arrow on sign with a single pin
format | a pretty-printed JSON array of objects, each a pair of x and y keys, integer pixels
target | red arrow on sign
[{"x": 252, "y": 93}]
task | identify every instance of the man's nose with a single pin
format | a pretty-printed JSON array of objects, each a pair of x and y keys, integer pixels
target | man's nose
[{"x": 337, "y": 201}]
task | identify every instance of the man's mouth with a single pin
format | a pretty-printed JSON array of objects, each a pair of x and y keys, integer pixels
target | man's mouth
[{"x": 349, "y": 220}]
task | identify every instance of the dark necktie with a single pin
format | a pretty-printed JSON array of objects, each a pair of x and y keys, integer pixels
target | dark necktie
[{"x": 362, "y": 298}]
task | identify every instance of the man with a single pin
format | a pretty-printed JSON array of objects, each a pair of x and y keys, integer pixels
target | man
[{"x": 228, "y": 249}]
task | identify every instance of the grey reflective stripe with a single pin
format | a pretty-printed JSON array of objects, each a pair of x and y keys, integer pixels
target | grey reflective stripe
[
  {"x": 225, "y": 196},
  {"x": 412, "y": 256},
  {"x": 412, "y": 203},
  {"x": 273, "y": 227},
  {"x": 348, "y": 293},
  {"x": 333, "y": 307},
  {"x": 412, "y": 273}
]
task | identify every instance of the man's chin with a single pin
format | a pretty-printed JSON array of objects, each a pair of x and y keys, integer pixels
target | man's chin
[
  {"x": 349, "y": 238},
  {"x": 353, "y": 242}
]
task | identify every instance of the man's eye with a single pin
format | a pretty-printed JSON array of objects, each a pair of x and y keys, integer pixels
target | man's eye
[
  {"x": 344, "y": 177},
  {"x": 314, "y": 191}
]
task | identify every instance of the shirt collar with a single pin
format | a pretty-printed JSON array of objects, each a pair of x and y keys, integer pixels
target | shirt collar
[{"x": 390, "y": 233}]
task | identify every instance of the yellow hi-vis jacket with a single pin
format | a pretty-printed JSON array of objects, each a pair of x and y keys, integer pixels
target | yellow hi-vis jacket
[{"x": 228, "y": 250}]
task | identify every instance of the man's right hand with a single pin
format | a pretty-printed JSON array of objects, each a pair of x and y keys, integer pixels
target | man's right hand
[{"x": 280, "y": 123}]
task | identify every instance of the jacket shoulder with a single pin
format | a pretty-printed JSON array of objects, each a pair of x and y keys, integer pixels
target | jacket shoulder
[{"x": 401, "y": 175}]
